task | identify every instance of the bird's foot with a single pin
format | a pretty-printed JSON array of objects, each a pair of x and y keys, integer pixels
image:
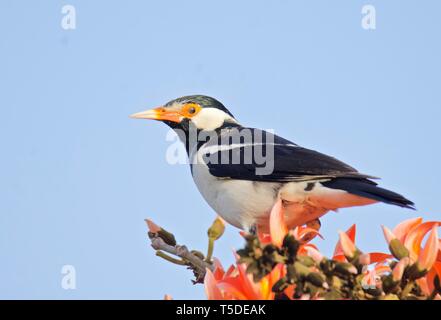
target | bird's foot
[
  {"x": 313, "y": 224},
  {"x": 253, "y": 230}
]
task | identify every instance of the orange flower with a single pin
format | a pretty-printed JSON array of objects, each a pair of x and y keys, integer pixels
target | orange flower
[
  {"x": 279, "y": 229},
  {"x": 371, "y": 278},
  {"x": 236, "y": 284},
  {"x": 374, "y": 257},
  {"x": 411, "y": 234}
]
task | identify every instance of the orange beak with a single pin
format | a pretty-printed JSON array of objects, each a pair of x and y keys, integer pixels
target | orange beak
[{"x": 160, "y": 113}]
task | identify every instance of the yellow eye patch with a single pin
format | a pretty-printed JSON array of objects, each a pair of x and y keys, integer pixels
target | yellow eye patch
[{"x": 190, "y": 109}]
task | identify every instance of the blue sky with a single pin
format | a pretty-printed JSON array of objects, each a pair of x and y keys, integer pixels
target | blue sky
[{"x": 78, "y": 176}]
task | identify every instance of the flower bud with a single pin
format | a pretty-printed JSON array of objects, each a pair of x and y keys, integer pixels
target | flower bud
[
  {"x": 398, "y": 249},
  {"x": 345, "y": 268},
  {"x": 317, "y": 279},
  {"x": 217, "y": 229},
  {"x": 301, "y": 269}
]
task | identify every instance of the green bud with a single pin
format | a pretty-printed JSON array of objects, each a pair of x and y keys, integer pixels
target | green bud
[
  {"x": 301, "y": 269},
  {"x": 389, "y": 285},
  {"x": 336, "y": 282},
  {"x": 345, "y": 268},
  {"x": 306, "y": 260},
  {"x": 291, "y": 245},
  {"x": 217, "y": 229},
  {"x": 376, "y": 292},
  {"x": 290, "y": 273},
  {"x": 316, "y": 279},
  {"x": 333, "y": 295},
  {"x": 398, "y": 250}
]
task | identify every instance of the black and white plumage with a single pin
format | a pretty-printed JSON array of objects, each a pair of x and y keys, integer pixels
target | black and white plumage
[{"x": 234, "y": 182}]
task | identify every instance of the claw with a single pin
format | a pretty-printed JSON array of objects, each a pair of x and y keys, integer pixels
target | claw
[{"x": 313, "y": 224}]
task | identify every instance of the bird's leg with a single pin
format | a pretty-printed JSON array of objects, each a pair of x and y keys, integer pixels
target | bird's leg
[{"x": 313, "y": 224}]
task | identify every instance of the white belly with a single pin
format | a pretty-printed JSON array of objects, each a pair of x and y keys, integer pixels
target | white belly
[{"x": 239, "y": 202}]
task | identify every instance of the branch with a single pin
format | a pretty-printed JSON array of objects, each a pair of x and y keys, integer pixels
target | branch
[
  {"x": 194, "y": 262},
  {"x": 164, "y": 243}
]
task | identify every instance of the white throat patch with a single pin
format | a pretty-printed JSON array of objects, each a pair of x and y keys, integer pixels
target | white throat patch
[{"x": 210, "y": 119}]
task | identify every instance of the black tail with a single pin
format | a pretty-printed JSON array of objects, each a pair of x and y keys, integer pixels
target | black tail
[{"x": 368, "y": 189}]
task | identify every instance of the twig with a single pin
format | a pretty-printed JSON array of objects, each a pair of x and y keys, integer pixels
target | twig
[
  {"x": 197, "y": 264},
  {"x": 210, "y": 249},
  {"x": 165, "y": 256}
]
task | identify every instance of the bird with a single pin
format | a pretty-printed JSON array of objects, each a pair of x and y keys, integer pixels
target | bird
[{"x": 242, "y": 172}]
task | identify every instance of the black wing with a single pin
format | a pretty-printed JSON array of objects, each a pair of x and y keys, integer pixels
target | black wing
[{"x": 273, "y": 159}]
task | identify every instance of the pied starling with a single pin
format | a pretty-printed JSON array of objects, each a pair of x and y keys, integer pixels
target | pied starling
[{"x": 241, "y": 172}]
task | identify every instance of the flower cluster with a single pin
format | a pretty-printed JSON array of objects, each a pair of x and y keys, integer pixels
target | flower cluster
[{"x": 284, "y": 265}]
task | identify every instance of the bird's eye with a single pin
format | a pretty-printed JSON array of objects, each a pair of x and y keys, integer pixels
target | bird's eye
[{"x": 190, "y": 109}]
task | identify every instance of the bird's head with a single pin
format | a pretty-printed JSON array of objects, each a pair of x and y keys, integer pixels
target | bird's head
[{"x": 202, "y": 112}]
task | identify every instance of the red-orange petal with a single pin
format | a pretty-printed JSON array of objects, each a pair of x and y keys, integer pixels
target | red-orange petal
[
  {"x": 427, "y": 256},
  {"x": 301, "y": 232},
  {"x": 422, "y": 282},
  {"x": 351, "y": 234},
  {"x": 346, "y": 244},
  {"x": 397, "y": 272},
  {"x": 403, "y": 228},
  {"x": 388, "y": 234},
  {"x": 210, "y": 285},
  {"x": 415, "y": 237},
  {"x": 377, "y": 257},
  {"x": 278, "y": 228},
  {"x": 219, "y": 271},
  {"x": 153, "y": 227}
]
